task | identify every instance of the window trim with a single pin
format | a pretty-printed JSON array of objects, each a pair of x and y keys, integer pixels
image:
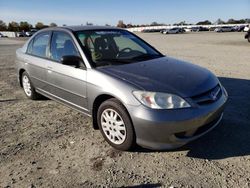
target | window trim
[{"x": 49, "y": 46}]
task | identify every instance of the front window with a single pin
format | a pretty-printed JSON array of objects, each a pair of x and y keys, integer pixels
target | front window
[
  {"x": 115, "y": 47},
  {"x": 62, "y": 45}
]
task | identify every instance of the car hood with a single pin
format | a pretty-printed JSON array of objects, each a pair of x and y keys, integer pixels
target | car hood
[{"x": 166, "y": 75}]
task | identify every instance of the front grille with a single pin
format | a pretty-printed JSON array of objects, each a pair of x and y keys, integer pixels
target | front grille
[{"x": 208, "y": 97}]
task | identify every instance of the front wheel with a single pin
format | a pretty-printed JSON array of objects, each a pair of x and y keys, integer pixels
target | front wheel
[
  {"x": 28, "y": 88},
  {"x": 248, "y": 38},
  {"x": 115, "y": 125}
]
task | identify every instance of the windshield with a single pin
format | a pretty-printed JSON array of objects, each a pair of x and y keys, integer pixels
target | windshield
[{"x": 114, "y": 47}]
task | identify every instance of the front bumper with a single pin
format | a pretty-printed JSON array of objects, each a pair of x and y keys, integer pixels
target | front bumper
[{"x": 170, "y": 129}]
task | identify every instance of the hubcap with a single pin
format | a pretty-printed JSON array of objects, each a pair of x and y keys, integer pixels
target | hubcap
[
  {"x": 113, "y": 126},
  {"x": 26, "y": 86}
]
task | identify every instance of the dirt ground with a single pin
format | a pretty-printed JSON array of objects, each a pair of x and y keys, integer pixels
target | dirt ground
[{"x": 45, "y": 144}]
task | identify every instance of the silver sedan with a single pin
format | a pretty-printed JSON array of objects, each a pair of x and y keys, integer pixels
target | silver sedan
[{"x": 133, "y": 93}]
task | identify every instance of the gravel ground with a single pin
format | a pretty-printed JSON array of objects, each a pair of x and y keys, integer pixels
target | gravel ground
[{"x": 45, "y": 144}]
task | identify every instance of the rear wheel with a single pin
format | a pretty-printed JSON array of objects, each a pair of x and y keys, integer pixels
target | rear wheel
[
  {"x": 248, "y": 38},
  {"x": 115, "y": 125},
  {"x": 28, "y": 88}
]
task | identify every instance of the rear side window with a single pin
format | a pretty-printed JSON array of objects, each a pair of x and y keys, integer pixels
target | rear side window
[
  {"x": 40, "y": 45},
  {"x": 29, "y": 49},
  {"x": 62, "y": 45}
]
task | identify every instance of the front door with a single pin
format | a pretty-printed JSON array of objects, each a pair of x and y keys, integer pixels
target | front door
[{"x": 66, "y": 83}]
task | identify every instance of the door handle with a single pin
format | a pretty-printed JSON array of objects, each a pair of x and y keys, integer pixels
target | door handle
[{"x": 49, "y": 67}]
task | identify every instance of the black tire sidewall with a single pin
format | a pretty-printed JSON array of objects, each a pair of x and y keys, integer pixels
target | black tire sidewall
[{"x": 121, "y": 110}]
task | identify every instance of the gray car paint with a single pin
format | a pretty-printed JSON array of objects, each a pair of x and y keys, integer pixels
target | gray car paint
[
  {"x": 166, "y": 75},
  {"x": 79, "y": 88}
]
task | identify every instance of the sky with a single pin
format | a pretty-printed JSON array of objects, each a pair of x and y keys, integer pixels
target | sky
[{"x": 101, "y": 12}]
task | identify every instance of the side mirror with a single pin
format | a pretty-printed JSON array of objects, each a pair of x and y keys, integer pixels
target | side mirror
[{"x": 71, "y": 60}]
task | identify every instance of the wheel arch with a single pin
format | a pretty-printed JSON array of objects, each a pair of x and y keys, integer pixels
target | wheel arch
[
  {"x": 96, "y": 104},
  {"x": 21, "y": 71}
]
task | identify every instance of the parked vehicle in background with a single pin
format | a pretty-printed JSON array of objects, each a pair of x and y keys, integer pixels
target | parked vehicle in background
[
  {"x": 187, "y": 29},
  {"x": 212, "y": 28},
  {"x": 22, "y": 34},
  {"x": 247, "y": 36},
  {"x": 146, "y": 31},
  {"x": 197, "y": 29},
  {"x": 164, "y": 31},
  {"x": 224, "y": 29},
  {"x": 239, "y": 28},
  {"x": 151, "y": 30},
  {"x": 246, "y": 29},
  {"x": 28, "y": 34},
  {"x": 133, "y": 93},
  {"x": 194, "y": 29},
  {"x": 2, "y": 36},
  {"x": 174, "y": 30},
  {"x": 31, "y": 32}
]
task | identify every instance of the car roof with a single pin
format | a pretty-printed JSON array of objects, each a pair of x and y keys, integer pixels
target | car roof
[
  {"x": 88, "y": 27},
  {"x": 82, "y": 28}
]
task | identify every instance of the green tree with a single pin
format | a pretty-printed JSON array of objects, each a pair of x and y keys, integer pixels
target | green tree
[
  {"x": 53, "y": 24},
  {"x": 130, "y": 25},
  {"x": 206, "y": 22},
  {"x": 233, "y": 21},
  {"x": 3, "y": 26},
  {"x": 219, "y": 21},
  {"x": 25, "y": 26},
  {"x": 121, "y": 24},
  {"x": 40, "y": 25},
  {"x": 89, "y": 23},
  {"x": 154, "y": 24},
  {"x": 181, "y": 23},
  {"x": 13, "y": 26}
]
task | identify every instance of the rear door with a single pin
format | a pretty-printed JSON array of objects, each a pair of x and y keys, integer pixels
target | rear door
[
  {"x": 36, "y": 60},
  {"x": 66, "y": 83}
]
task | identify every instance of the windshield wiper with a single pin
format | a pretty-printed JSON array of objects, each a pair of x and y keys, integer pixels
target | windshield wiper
[
  {"x": 146, "y": 56},
  {"x": 116, "y": 60},
  {"x": 105, "y": 62}
]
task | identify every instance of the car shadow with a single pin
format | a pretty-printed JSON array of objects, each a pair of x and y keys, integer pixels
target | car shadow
[
  {"x": 232, "y": 137},
  {"x": 43, "y": 98},
  {"x": 8, "y": 100}
]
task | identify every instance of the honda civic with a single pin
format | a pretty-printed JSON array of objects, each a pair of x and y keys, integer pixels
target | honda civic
[{"x": 133, "y": 93}]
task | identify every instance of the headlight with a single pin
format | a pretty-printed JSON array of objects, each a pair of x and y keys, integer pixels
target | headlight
[{"x": 157, "y": 100}]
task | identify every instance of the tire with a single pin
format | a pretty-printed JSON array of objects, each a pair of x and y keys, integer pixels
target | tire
[
  {"x": 28, "y": 88},
  {"x": 248, "y": 38},
  {"x": 112, "y": 115}
]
